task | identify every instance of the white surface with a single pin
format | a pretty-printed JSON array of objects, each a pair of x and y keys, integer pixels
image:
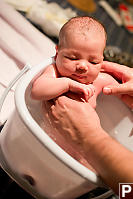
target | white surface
[
  {"x": 8, "y": 106},
  {"x": 116, "y": 118},
  {"x": 20, "y": 42}
]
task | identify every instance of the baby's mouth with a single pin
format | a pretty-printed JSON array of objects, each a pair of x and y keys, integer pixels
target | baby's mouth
[{"x": 79, "y": 76}]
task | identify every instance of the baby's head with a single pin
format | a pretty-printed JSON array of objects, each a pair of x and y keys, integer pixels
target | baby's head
[{"x": 79, "y": 54}]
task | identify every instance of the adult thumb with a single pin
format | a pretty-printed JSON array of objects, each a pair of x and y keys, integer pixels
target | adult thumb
[{"x": 116, "y": 89}]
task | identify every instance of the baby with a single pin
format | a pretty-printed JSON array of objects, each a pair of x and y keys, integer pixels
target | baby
[{"x": 78, "y": 60}]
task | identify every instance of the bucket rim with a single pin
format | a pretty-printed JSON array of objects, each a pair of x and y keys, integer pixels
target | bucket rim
[{"x": 40, "y": 134}]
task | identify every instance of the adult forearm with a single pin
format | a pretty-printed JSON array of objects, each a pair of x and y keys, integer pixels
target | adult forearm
[
  {"x": 110, "y": 159},
  {"x": 78, "y": 120}
]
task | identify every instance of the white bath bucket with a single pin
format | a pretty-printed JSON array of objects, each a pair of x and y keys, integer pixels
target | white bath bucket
[{"x": 36, "y": 162}]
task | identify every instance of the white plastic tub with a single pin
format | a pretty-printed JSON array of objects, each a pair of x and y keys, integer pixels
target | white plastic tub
[{"x": 36, "y": 162}]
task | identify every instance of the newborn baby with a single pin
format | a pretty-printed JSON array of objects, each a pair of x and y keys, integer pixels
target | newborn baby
[{"x": 78, "y": 61}]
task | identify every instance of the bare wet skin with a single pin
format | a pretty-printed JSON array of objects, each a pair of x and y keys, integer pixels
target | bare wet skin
[{"x": 57, "y": 135}]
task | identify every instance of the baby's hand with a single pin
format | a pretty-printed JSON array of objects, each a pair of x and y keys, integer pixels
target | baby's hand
[{"x": 87, "y": 90}]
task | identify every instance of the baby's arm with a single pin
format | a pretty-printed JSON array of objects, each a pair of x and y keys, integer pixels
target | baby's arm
[{"x": 48, "y": 86}]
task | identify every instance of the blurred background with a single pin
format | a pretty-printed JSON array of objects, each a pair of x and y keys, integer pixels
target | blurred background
[{"x": 116, "y": 15}]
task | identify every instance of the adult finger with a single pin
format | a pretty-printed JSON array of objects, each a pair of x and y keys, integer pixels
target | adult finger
[
  {"x": 126, "y": 88},
  {"x": 117, "y": 70}
]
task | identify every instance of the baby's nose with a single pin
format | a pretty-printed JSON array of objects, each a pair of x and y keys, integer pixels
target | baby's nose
[{"x": 81, "y": 67}]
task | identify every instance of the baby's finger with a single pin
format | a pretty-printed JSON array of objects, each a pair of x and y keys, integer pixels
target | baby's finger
[
  {"x": 91, "y": 90},
  {"x": 88, "y": 93}
]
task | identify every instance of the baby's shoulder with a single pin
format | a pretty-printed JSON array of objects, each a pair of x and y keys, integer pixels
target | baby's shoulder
[
  {"x": 104, "y": 77},
  {"x": 50, "y": 67},
  {"x": 51, "y": 70}
]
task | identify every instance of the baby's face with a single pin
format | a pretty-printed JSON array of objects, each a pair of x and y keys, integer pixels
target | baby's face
[{"x": 80, "y": 57}]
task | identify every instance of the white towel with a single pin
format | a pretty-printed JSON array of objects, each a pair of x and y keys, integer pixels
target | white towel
[{"x": 20, "y": 42}]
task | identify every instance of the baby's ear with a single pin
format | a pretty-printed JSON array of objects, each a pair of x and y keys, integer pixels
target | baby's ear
[{"x": 56, "y": 48}]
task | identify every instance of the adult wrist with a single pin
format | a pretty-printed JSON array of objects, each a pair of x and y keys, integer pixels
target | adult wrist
[{"x": 95, "y": 138}]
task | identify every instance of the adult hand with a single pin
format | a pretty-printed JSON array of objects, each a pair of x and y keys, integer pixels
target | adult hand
[
  {"x": 125, "y": 75},
  {"x": 79, "y": 122},
  {"x": 75, "y": 119}
]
